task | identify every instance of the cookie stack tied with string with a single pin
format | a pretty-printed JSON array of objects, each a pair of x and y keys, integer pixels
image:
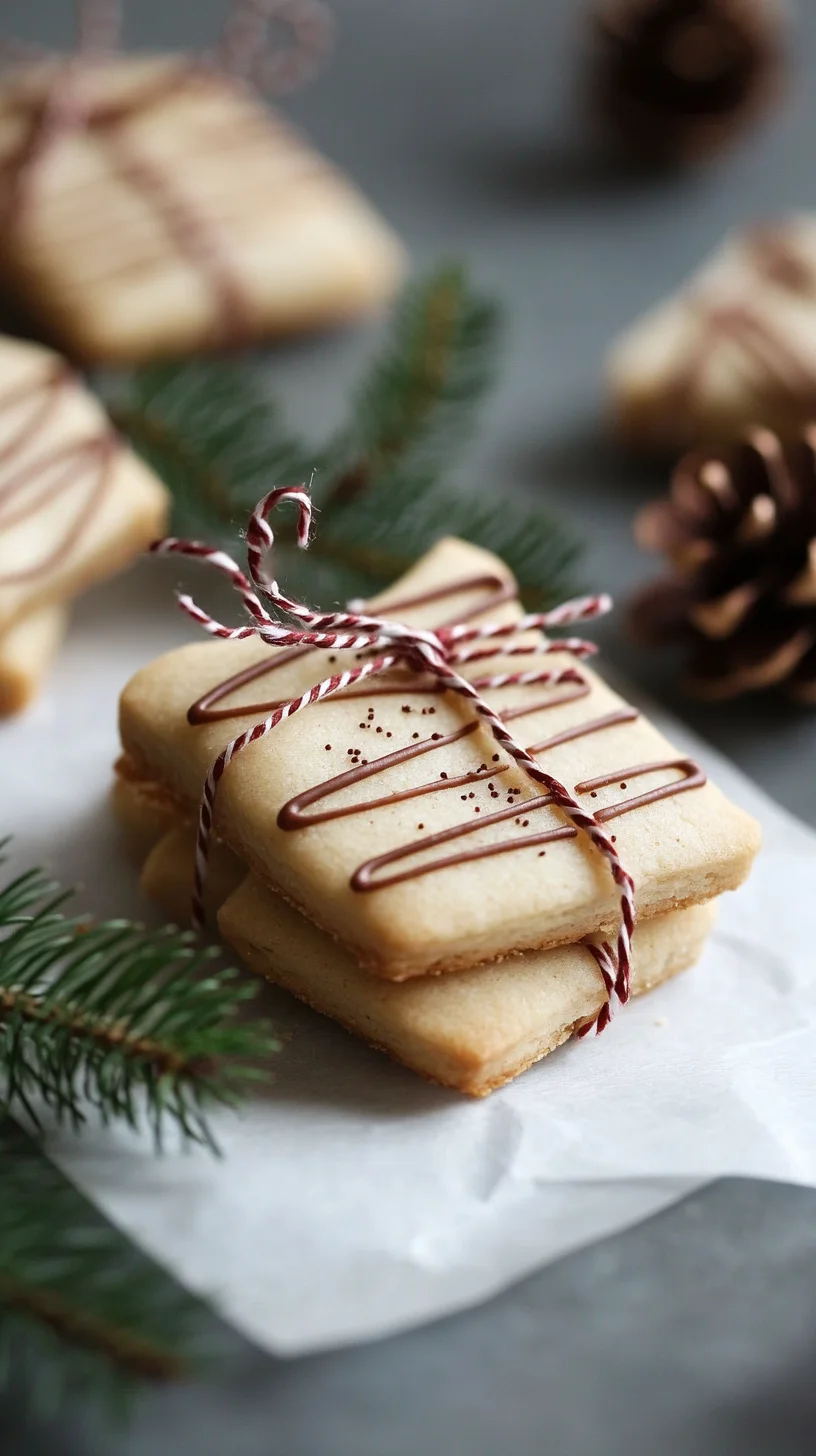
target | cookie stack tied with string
[
  {"x": 422, "y": 816},
  {"x": 76, "y": 506},
  {"x": 152, "y": 205}
]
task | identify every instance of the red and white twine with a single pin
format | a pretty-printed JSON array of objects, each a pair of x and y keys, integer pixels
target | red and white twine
[
  {"x": 390, "y": 644},
  {"x": 246, "y": 48},
  {"x": 274, "y": 45}
]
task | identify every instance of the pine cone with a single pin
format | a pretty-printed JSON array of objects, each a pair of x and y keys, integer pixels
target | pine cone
[
  {"x": 675, "y": 78},
  {"x": 739, "y": 528}
]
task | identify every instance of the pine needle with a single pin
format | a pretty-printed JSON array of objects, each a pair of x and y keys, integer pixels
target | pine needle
[
  {"x": 136, "y": 1024},
  {"x": 380, "y": 544},
  {"x": 79, "y": 1308},
  {"x": 419, "y": 399},
  {"x": 210, "y": 431}
]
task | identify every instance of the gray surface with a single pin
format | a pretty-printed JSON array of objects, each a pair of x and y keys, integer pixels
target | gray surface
[{"x": 693, "y": 1334}]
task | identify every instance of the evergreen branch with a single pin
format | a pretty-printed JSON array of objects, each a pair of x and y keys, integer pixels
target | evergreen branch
[
  {"x": 381, "y": 543},
  {"x": 211, "y": 433},
  {"x": 133, "y": 1023},
  {"x": 78, "y": 1305},
  {"x": 418, "y": 401},
  {"x": 133, "y": 1354}
]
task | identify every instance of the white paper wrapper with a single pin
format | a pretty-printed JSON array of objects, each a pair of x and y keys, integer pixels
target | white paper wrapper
[{"x": 353, "y": 1199}]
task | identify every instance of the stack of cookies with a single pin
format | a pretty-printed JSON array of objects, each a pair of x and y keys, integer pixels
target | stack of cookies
[
  {"x": 383, "y": 859},
  {"x": 76, "y": 506}
]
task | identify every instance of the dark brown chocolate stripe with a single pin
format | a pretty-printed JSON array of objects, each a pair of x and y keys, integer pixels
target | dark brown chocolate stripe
[
  {"x": 499, "y": 590},
  {"x": 32, "y": 484},
  {"x": 580, "y": 690},
  {"x": 581, "y": 730},
  {"x": 292, "y": 814},
  {"x": 203, "y": 712},
  {"x": 693, "y": 778},
  {"x": 204, "y": 709},
  {"x": 363, "y": 878}
]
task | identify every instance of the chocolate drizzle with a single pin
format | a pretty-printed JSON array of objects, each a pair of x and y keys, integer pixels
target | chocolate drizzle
[
  {"x": 297, "y": 813},
  {"x": 579, "y": 689},
  {"x": 363, "y": 877},
  {"x": 292, "y": 815},
  {"x": 29, "y": 481},
  {"x": 188, "y": 227},
  {"x": 692, "y": 778},
  {"x": 580, "y": 730},
  {"x": 498, "y": 590},
  {"x": 204, "y": 709}
]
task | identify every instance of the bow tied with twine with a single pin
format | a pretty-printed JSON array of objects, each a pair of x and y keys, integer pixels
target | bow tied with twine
[
  {"x": 246, "y": 47},
  {"x": 388, "y": 644}
]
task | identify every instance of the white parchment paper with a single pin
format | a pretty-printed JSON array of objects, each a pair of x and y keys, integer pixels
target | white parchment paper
[{"x": 354, "y": 1199}]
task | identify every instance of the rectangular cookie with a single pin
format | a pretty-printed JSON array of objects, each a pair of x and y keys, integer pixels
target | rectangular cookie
[
  {"x": 145, "y": 814},
  {"x": 362, "y": 856},
  {"x": 26, "y": 652},
  {"x": 76, "y": 505},
  {"x": 181, "y": 215},
  {"x": 734, "y": 348},
  {"x": 473, "y": 1030}
]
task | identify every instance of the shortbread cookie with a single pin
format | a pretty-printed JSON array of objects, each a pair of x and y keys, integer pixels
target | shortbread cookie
[
  {"x": 162, "y": 844},
  {"x": 167, "y": 869},
  {"x": 26, "y": 652},
  {"x": 736, "y": 347},
  {"x": 76, "y": 505},
  {"x": 179, "y": 215},
  {"x": 391, "y": 819},
  {"x": 144, "y": 811},
  {"x": 472, "y": 1030}
]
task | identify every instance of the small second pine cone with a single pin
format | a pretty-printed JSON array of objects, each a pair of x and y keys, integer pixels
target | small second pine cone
[
  {"x": 739, "y": 529},
  {"x": 674, "y": 79}
]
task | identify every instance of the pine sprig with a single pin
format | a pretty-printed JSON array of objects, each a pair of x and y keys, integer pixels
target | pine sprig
[
  {"x": 379, "y": 546},
  {"x": 136, "y": 1024},
  {"x": 79, "y": 1308},
  {"x": 382, "y": 483},
  {"x": 418, "y": 401},
  {"x": 212, "y": 434}
]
